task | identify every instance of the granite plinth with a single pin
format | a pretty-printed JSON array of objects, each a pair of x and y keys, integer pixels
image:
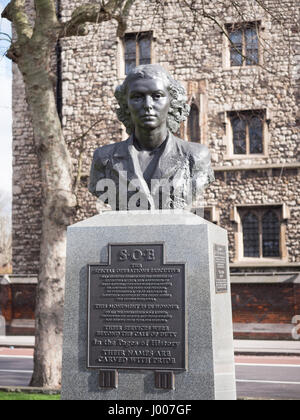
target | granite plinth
[
  {"x": 2, "y": 325},
  {"x": 210, "y": 373}
]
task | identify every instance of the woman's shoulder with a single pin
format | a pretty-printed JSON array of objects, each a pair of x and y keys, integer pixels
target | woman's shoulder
[{"x": 196, "y": 150}]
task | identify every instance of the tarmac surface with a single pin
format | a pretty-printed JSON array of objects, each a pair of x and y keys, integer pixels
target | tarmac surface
[{"x": 264, "y": 369}]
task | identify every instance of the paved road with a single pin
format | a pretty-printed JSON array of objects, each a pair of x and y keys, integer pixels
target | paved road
[
  {"x": 15, "y": 370},
  {"x": 257, "y": 377},
  {"x": 268, "y": 377}
]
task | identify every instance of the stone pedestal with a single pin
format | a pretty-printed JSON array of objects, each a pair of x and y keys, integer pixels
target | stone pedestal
[
  {"x": 2, "y": 325},
  {"x": 192, "y": 319}
]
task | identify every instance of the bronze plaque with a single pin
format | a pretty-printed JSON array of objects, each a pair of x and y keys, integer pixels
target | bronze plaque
[
  {"x": 136, "y": 310},
  {"x": 220, "y": 257}
]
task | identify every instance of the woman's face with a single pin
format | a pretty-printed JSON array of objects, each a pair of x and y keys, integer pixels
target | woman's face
[{"x": 148, "y": 102}]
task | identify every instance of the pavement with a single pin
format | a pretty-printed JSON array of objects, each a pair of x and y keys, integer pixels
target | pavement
[
  {"x": 260, "y": 347},
  {"x": 16, "y": 341},
  {"x": 266, "y": 347}
]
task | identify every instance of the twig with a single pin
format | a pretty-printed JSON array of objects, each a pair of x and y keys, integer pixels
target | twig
[
  {"x": 5, "y": 34},
  {"x": 80, "y": 158}
]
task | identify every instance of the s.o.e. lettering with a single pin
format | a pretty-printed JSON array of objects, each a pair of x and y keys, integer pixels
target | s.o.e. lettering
[{"x": 137, "y": 255}]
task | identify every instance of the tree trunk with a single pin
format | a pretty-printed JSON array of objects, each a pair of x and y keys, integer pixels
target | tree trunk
[
  {"x": 32, "y": 52},
  {"x": 49, "y": 307},
  {"x": 58, "y": 203}
]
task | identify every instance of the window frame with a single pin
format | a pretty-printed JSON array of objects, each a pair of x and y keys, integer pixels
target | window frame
[
  {"x": 259, "y": 213},
  {"x": 247, "y": 116},
  {"x": 138, "y": 36},
  {"x": 242, "y": 26},
  {"x": 229, "y": 134},
  {"x": 237, "y": 215}
]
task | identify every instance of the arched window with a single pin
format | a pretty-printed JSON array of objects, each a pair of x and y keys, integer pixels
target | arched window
[
  {"x": 193, "y": 124},
  {"x": 270, "y": 234},
  {"x": 251, "y": 235}
]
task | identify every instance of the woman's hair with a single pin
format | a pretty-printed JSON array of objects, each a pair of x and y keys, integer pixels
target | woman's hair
[{"x": 179, "y": 109}]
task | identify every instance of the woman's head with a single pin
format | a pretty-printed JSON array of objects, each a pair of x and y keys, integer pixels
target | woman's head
[{"x": 178, "y": 110}]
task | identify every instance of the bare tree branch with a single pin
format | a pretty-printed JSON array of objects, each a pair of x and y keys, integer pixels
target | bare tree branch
[
  {"x": 7, "y": 35},
  {"x": 15, "y": 13},
  {"x": 263, "y": 6},
  {"x": 97, "y": 13},
  {"x": 92, "y": 13},
  {"x": 121, "y": 13}
]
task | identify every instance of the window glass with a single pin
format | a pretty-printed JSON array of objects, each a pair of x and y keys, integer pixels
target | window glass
[
  {"x": 270, "y": 234},
  {"x": 243, "y": 44},
  {"x": 193, "y": 124},
  {"x": 255, "y": 135},
  {"x": 137, "y": 50},
  {"x": 145, "y": 50},
  {"x": 130, "y": 53},
  {"x": 236, "y": 49},
  {"x": 251, "y": 235},
  {"x": 239, "y": 135},
  {"x": 251, "y": 41},
  {"x": 247, "y": 131}
]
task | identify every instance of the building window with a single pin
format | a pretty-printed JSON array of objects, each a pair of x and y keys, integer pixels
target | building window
[
  {"x": 137, "y": 49},
  {"x": 243, "y": 44},
  {"x": 250, "y": 235},
  {"x": 261, "y": 232},
  {"x": 270, "y": 234},
  {"x": 247, "y": 132},
  {"x": 193, "y": 125}
]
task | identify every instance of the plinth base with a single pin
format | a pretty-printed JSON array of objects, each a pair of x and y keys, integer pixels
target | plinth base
[{"x": 187, "y": 239}]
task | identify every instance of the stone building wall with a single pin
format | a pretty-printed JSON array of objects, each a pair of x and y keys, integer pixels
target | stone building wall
[
  {"x": 92, "y": 67},
  {"x": 196, "y": 53},
  {"x": 193, "y": 52},
  {"x": 259, "y": 187}
]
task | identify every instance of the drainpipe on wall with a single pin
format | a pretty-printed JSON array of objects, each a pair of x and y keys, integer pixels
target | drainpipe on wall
[{"x": 58, "y": 51}]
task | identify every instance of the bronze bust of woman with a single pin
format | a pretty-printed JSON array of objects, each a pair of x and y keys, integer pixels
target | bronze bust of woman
[{"x": 152, "y": 169}]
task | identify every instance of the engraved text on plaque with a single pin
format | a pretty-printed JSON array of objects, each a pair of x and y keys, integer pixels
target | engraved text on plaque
[
  {"x": 136, "y": 310},
  {"x": 220, "y": 257}
]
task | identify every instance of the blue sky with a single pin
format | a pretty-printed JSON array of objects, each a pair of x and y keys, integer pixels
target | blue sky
[{"x": 5, "y": 109}]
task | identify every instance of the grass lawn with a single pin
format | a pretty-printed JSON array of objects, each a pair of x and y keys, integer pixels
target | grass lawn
[{"x": 23, "y": 396}]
